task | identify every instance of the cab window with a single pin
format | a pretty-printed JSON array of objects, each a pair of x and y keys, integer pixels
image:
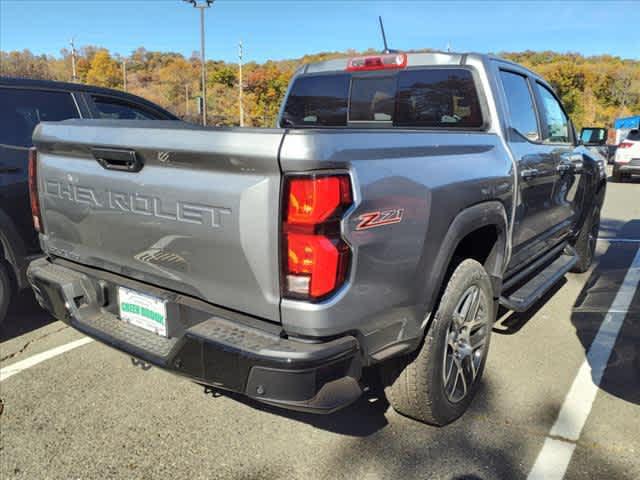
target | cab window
[
  {"x": 522, "y": 113},
  {"x": 555, "y": 121}
]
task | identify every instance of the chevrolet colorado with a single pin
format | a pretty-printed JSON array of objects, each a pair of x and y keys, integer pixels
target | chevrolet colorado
[{"x": 401, "y": 199}]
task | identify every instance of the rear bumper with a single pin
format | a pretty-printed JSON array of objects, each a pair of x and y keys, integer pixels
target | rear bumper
[
  {"x": 227, "y": 353},
  {"x": 631, "y": 167}
]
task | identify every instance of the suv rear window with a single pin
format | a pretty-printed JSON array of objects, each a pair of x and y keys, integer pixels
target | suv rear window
[
  {"x": 634, "y": 135},
  {"x": 431, "y": 97},
  {"x": 113, "y": 108},
  {"x": 23, "y": 109}
]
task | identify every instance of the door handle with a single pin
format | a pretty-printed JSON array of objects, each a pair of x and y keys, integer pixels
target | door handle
[
  {"x": 578, "y": 166},
  {"x": 124, "y": 160},
  {"x": 574, "y": 161},
  {"x": 529, "y": 173}
]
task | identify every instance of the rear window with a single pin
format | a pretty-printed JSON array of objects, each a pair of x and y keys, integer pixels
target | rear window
[
  {"x": 445, "y": 97},
  {"x": 23, "y": 109},
  {"x": 634, "y": 135},
  {"x": 318, "y": 100},
  {"x": 436, "y": 98}
]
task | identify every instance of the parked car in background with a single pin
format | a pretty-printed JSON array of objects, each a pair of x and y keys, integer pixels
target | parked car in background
[
  {"x": 25, "y": 103},
  {"x": 622, "y": 127},
  {"x": 400, "y": 200},
  {"x": 627, "y": 159}
]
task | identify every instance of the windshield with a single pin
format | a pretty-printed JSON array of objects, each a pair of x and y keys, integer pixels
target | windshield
[{"x": 431, "y": 97}]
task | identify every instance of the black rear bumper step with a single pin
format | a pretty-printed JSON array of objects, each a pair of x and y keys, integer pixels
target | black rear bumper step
[
  {"x": 315, "y": 377},
  {"x": 530, "y": 292}
]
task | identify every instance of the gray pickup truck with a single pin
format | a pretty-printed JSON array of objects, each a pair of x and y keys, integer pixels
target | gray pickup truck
[{"x": 402, "y": 199}]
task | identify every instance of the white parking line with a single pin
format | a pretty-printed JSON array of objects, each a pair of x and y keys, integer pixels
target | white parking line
[
  {"x": 18, "y": 367},
  {"x": 618, "y": 240},
  {"x": 554, "y": 458}
]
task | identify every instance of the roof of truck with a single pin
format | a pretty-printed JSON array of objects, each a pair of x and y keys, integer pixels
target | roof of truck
[{"x": 414, "y": 59}]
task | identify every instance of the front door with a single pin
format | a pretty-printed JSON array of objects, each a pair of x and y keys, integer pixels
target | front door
[
  {"x": 537, "y": 169},
  {"x": 558, "y": 138}
]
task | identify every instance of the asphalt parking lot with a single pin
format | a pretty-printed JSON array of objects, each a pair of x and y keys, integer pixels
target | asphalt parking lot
[{"x": 88, "y": 413}]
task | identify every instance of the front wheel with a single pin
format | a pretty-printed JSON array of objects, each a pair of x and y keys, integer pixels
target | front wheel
[
  {"x": 437, "y": 385},
  {"x": 5, "y": 291},
  {"x": 617, "y": 177},
  {"x": 586, "y": 242}
]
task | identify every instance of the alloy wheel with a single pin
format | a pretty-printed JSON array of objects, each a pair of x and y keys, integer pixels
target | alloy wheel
[{"x": 465, "y": 344}]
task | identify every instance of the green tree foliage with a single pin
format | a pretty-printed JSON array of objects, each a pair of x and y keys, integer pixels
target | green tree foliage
[
  {"x": 104, "y": 71},
  {"x": 595, "y": 90}
]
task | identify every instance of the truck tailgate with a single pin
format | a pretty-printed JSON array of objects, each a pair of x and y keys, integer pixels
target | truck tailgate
[{"x": 200, "y": 217}]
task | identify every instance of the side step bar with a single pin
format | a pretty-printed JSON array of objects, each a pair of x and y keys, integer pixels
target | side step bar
[{"x": 529, "y": 293}]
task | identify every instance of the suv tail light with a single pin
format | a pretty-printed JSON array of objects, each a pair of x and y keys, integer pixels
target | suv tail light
[
  {"x": 33, "y": 190},
  {"x": 377, "y": 62},
  {"x": 315, "y": 258},
  {"x": 625, "y": 145}
]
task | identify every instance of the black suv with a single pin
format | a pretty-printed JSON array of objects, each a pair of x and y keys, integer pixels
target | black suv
[{"x": 23, "y": 104}]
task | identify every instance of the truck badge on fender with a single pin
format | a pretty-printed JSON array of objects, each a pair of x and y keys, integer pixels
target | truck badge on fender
[{"x": 380, "y": 218}]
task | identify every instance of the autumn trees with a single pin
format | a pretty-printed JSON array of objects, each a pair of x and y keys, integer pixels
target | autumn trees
[{"x": 595, "y": 90}]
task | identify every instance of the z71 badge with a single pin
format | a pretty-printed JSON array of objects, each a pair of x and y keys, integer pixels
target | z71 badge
[{"x": 379, "y": 218}]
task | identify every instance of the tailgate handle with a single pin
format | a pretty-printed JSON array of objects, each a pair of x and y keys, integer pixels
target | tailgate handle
[{"x": 124, "y": 160}]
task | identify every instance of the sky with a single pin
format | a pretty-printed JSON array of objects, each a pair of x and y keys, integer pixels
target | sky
[{"x": 287, "y": 29}]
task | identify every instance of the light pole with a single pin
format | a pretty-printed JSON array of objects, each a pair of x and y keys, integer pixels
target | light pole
[
  {"x": 240, "y": 83},
  {"x": 202, "y": 5}
]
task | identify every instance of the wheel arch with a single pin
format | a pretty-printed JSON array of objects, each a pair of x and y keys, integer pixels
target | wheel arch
[{"x": 478, "y": 232}]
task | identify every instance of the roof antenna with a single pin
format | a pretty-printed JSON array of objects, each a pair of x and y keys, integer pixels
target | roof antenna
[{"x": 384, "y": 37}]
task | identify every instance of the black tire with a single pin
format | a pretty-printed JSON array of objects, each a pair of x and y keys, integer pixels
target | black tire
[
  {"x": 616, "y": 175},
  {"x": 585, "y": 244},
  {"x": 418, "y": 387},
  {"x": 5, "y": 291}
]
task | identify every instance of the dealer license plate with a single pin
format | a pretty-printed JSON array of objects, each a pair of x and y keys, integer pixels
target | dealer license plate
[{"x": 142, "y": 310}]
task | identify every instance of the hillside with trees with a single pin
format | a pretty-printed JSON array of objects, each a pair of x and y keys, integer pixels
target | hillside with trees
[{"x": 595, "y": 90}]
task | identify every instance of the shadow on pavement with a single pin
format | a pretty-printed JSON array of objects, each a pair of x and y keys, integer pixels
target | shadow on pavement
[
  {"x": 363, "y": 418},
  {"x": 510, "y": 322},
  {"x": 24, "y": 315},
  {"x": 622, "y": 375}
]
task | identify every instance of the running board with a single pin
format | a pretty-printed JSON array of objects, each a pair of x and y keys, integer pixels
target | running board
[{"x": 529, "y": 293}]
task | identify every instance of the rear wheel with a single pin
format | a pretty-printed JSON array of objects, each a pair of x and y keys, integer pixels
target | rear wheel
[
  {"x": 586, "y": 242},
  {"x": 5, "y": 291},
  {"x": 438, "y": 383}
]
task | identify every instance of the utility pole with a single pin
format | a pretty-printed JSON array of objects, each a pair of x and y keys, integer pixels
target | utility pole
[
  {"x": 74, "y": 77},
  {"x": 202, "y": 5},
  {"x": 186, "y": 101},
  {"x": 240, "y": 83},
  {"x": 124, "y": 73}
]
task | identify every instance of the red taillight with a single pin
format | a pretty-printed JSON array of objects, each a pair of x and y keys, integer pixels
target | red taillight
[
  {"x": 625, "y": 145},
  {"x": 316, "y": 259},
  {"x": 33, "y": 190},
  {"x": 377, "y": 62}
]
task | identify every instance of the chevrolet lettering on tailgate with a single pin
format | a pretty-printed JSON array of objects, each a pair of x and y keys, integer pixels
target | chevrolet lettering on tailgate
[{"x": 135, "y": 203}]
